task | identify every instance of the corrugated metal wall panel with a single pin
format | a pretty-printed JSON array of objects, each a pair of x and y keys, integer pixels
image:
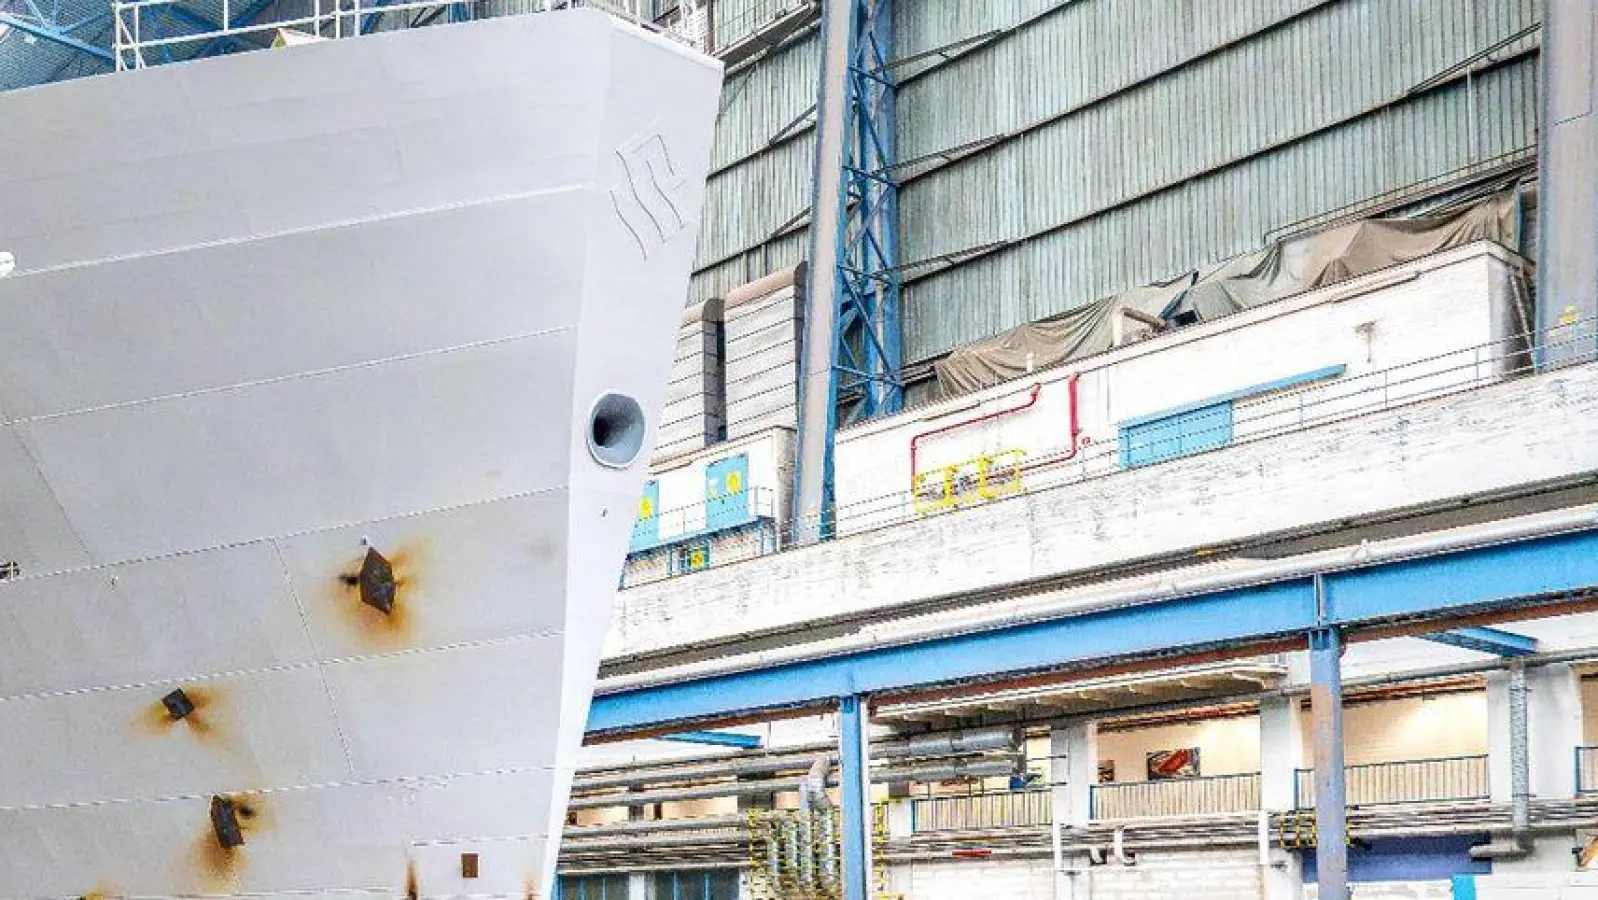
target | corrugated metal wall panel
[
  {"x": 1190, "y": 167},
  {"x": 758, "y": 186},
  {"x": 745, "y": 204},
  {"x": 717, "y": 280},
  {"x": 1205, "y": 219},
  {"x": 758, "y": 101},
  {"x": 734, "y": 20}
]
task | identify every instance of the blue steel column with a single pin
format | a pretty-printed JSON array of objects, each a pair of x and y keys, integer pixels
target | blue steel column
[
  {"x": 854, "y": 752},
  {"x": 1326, "y": 716}
]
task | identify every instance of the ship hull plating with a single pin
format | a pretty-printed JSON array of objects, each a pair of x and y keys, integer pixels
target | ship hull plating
[{"x": 309, "y": 533}]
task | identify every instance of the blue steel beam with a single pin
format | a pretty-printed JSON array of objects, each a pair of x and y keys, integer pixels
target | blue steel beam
[
  {"x": 57, "y": 36},
  {"x": 717, "y": 739},
  {"x": 1486, "y": 640},
  {"x": 1455, "y": 584}
]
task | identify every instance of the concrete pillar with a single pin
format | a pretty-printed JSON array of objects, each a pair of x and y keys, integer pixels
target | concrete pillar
[
  {"x": 1554, "y": 731},
  {"x": 1567, "y": 198},
  {"x": 1073, "y": 770},
  {"x": 812, "y": 500},
  {"x": 1281, "y": 755},
  {"x": 1281, "y": 752}
]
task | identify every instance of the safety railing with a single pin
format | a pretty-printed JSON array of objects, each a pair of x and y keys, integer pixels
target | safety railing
[
  {"x": 1587, "y": 770},
  {"x": 1253, "y": 419},
  {"x": 1176, "y": 797},
  {"x": 1405, "y": 781},
  {"x": 978, "y": 812},
  {"x": 683, "y": 541},
  {"x": 151, "y": 32}
]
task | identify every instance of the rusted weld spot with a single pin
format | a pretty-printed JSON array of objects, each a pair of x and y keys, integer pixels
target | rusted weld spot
[
  {"x": 178, "y": 705},
  {"x": 219, "y": 849},
  {"x": 376, "y": 582},
  {"x": 378, "y": 591},
  {"x": 225, "y": 823},
  {"x": 194, "y": 708}
]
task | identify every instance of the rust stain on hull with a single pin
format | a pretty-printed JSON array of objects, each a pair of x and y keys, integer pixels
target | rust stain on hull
[
  {"x": 219, "y": 868},
  {"x": 395, "y": 625},
  {"x": 413, "y": 889},
  {"x": 206, "y": 721}
]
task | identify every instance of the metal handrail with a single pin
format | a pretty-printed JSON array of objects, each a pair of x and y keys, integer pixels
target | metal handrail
[
  {"x": 1175, "y": 797},
  {"x": 967, "y": 812},
  {"x": 1403, "y": 781},
  {"x": 1587, "y": 770}
]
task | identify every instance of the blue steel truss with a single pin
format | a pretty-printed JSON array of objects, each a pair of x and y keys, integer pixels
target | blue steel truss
[{"x": 870, "y": 345}]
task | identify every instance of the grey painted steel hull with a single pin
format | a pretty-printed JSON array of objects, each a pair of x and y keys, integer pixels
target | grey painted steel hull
[{"x": 272, "y": 313}]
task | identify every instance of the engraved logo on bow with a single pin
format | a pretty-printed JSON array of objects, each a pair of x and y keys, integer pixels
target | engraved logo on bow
[{"x": 646, "y": 202}]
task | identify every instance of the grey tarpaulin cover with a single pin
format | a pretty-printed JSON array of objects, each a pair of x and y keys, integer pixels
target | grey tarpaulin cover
[{"x": 1286, "y": 268}]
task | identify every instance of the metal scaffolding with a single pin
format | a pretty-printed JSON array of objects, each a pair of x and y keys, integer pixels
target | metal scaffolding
[{"x": 870, "y": 350}]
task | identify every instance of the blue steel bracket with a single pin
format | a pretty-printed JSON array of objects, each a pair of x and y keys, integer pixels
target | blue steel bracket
[
  {"x": 1486, "y": 640},
  {"x": 717, "y": 739},
  {"x": 56, "y": 34}
]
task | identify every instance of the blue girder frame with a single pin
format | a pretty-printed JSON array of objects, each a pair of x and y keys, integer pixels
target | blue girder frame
[{"x": 1453, "y": 585}]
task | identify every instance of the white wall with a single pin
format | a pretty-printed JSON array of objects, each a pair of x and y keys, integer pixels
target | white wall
[
  {"x": 1393, "y": 890},
  {"x": 1229, "y": 746},
  {"x": 1526, "y": 430},
  {"x": 682, "y": 480},
  {"x": 1402, "y": 317},
  {"x": 1414, "y": 728},
  {"x": 1542, "y": 886},
  {"x": 1011, "y": 879},
  {"x": 1183, "y": 874}
]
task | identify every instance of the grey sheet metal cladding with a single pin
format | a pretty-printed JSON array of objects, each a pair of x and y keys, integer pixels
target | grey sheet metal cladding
[{"x": 309, "y": 551}]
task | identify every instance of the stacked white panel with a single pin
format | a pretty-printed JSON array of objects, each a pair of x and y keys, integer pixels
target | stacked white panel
[
  {"x": 695, "y": 406},
  {"x": 762, "y": 341}
]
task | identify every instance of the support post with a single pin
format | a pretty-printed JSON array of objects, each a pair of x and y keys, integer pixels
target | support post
[
  {"x": 818, "y": 382},
  {"x": 1073, "y": 770},
  {"x": 1281, "y": 756},
  {"x": 1326, "y": 727},
  {"x": 854, "y": 754},
  {"x": 1567, "y": 196}
]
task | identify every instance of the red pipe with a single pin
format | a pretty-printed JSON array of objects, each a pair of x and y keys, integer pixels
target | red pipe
[
  {"x": 1032, "y": 399},
  {"x": 1076, "y": 422},
  {"x": 915, "y": 440}
]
